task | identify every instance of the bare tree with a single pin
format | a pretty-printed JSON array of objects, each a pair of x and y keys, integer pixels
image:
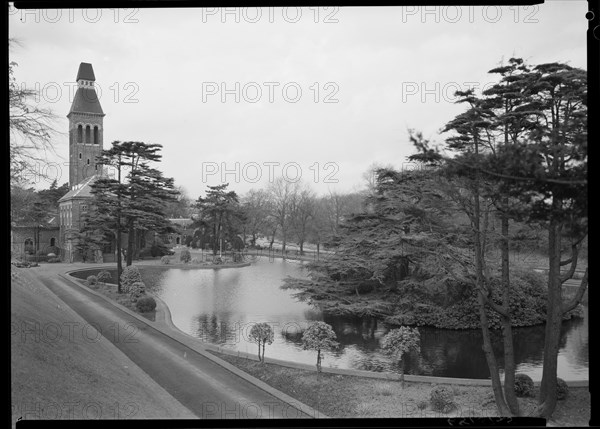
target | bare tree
[
  {"x": 31, "y": 129},
  {"x": 302, "y": 210},
  {"x": 282, "y": 192}
]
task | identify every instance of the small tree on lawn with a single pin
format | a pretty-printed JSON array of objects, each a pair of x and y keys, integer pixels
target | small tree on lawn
[
  {"x": 319, "y": 336},
  {"x": 262, "y": 333},
  {"x": 398, "y": 342}
]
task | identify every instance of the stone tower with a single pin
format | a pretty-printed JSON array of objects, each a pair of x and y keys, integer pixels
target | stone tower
[{"x": 85, "y": 128}]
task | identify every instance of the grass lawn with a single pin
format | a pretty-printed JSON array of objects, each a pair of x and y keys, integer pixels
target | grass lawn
[{"x": 346, "y": 396}]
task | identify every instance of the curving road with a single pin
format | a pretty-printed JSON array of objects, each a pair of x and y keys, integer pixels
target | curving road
[{"x": 204, "y": 387}]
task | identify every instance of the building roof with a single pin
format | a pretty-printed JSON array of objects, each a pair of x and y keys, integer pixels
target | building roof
[
  {"x": 82, "y": 190},
  {"x": 86, "y": 101},
  {"x": 185, "y": 222},
  {"x": 86, "y": 72}
]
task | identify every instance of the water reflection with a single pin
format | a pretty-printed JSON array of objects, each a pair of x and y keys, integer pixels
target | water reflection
[{"x": 221, "y": 306}]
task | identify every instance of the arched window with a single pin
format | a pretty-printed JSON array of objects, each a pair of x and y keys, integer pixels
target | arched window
[
  {"x": 96, "y": 135},
  {"x": 88, "y": 161},
  {"x": 79, "y": 134},
  {"x": 28, "y": 245},
  {"x": 88, "y": 134},
  {"x": 79, "y": 155},
  {"x": 53, "y": 241}
]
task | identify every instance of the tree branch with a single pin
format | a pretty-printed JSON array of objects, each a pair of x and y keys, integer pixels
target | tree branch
[{"x": 577, "y": 298}]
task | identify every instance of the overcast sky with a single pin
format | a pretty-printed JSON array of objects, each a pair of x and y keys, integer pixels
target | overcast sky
[{"x": 320, "y": 92}]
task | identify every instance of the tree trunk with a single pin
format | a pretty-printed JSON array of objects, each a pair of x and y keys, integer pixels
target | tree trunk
[
  {"x": 130, "y": 241},
  {"x": 509, "y": 353},
  {"x": 402, "y": 369},
  {"x": 263, "y": 352},
  {"x": 118, "y": 233},
  {"x": 547, "y": 399},
  {"x": 318, "y": 360},
  {"x": 487, "y": 343},
  {"x": 301, "y": 247},
  {"x": 283, "y": 242},
  {"x": 259, "y": 359}
]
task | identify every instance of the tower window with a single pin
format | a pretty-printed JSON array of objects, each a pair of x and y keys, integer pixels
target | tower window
[
  {"x": 79, "y": 155},
  {"x": 96, "y": 135},
  {"x": 79, "y": 134},
  {"x": 88, "y": 132},
  {"x": 88, "y": 161}
]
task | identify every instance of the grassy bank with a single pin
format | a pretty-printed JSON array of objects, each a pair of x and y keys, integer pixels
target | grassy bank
[
  {"x": 345, "y": 396},
  {"x": 61, "y": 370}
]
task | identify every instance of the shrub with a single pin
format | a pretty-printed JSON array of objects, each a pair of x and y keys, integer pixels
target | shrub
[
  {"x": 442, "y": 399},
  {"x": 185, "y": 256},
  {"x": 53, "y": 260},
  {"x": 92, "y": 280},
  {"x": 51, "y": 255},
  {"x": 165, "y": 260},
  {"x": 52, "y": 249},
  {"x": 160, "y": 250},
  {"x": 130, "y": 275},
  {"x": 104, "y": 276},
  {"x": 422, "y": 404},
  {"x": 523, "y": 385},
  {"x": 146, "y": 304},
  {"x": 135, "y": 290},
  {"x": 562, "y": 389},
  {"x": 196, "y": 261}
]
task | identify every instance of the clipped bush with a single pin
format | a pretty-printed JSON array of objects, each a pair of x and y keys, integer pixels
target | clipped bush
[
  {"x": 146, "y": 304},
  {"x": 104, "y": 276},
  {"x": 562, "y": 389},
  {"x": 185, "y": 256},
  {"x": 165, "y": 260},
  {"x": 129, "y": 276},
  {"x": 442, "y": 399},
  {"x": 136, "y": 290},
  {"x": 523, "y": 385},
  {"x": 53, "y": 260},
  {"x": 51, "y": 255},
  {"x": 92, "y": 280}
]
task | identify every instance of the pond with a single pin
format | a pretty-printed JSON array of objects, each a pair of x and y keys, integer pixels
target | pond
[{"x": 220, "y": 307}]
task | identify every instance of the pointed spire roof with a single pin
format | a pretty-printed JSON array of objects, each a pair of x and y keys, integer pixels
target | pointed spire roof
[
  {"x": 86, "y": 72},
  {"x": 86, "y": 100}
]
